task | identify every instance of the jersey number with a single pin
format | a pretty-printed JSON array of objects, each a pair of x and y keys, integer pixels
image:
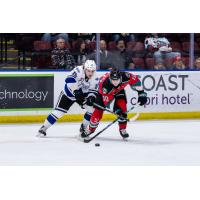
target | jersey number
[{"x": 105, "y": 99}]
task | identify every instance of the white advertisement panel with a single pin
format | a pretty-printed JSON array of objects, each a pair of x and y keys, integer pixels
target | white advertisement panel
[
  {"x": 171, "y": 91},
  {"x": 168, "y": 91}
]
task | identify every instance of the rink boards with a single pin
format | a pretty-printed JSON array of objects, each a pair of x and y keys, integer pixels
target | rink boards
[{"x": 29, "y": 96}]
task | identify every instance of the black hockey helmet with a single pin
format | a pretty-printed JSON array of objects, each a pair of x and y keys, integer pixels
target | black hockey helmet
[{"x": 115, "y": 74}]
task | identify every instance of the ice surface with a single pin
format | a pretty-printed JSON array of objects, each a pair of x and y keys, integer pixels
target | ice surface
[{"x": 150, "y": 143}]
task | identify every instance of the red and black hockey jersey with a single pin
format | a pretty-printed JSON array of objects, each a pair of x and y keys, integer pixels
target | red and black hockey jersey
[{"x": 108, "y": 91}]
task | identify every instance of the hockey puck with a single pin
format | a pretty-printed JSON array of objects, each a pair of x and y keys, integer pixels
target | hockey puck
[{"x": 97, "y": 145}]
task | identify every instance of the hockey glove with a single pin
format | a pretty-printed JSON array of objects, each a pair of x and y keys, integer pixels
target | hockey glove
[
  {"x": 90, "y": 100},
  {"x": 142, "y": 97},
  {"x": 79, "y": 96}
]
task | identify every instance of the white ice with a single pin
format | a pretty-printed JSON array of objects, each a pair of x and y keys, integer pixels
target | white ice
[{"x": 150, "y": 143}]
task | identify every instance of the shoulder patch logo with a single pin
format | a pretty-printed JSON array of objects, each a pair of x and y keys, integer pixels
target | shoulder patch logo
[
  {"x": 74, "y": 74},
  {"x": 134, "y": 77},
  {"x": 127, "y": 75},
  {"x": 96, "y": 87},
  {"x": 105, "y": 90}
]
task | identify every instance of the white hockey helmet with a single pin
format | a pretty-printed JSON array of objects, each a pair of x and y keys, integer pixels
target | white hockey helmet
[{"x": 90, "y": 65}]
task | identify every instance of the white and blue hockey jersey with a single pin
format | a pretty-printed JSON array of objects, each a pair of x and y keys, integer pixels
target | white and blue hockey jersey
[
  {"x": 156, "y": 42},
  {"x": 77, "y": 80}
]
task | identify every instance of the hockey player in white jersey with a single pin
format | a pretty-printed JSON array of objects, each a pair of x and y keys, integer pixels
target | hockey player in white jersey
[
  {"x": 80, "y": 87},
  {"x": 160, "y": 47}
]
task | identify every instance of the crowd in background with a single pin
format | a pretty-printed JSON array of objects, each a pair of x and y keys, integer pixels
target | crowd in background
[{"x": 121, "y": 50}]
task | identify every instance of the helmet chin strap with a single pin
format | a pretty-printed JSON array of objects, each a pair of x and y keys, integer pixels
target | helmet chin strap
[
  {"x": 116, "y": 86},
  {"x": 86, "y": 77}
]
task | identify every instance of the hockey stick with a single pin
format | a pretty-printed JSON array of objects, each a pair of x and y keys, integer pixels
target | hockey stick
[
  {"x": 90, "y": 139},
  {"x": 106, "y": 109},
  {"x": 130, "y": 119}
]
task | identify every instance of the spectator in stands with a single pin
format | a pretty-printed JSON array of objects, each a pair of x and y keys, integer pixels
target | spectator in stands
[
  {"x": 122, "y": 57},
  {"x": 197, "y": 64},
  {"x": 106, "y": 57},
  {"x": 159, "y": 66},
  {"x": 61, "y": 56},
  {"x": 52, "y": 37},
  {"x": 127, "y": 37},
  {"x": 160, "y": 47},
  {"x": 178, "y": 64},
  {"x": 134, "y": 67},
  {"x": 81, "y": 52}
]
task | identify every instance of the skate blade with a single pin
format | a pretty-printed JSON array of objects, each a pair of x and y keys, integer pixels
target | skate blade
[
  {"x": 39, "y": 135},
  {"x": 82, "y": 139}
]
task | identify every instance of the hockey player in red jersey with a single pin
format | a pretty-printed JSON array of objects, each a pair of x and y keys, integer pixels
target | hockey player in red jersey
[{"x": 111, "y": 87}]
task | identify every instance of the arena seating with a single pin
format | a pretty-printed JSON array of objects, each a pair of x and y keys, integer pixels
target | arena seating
[{"x": 30, "y": 46}]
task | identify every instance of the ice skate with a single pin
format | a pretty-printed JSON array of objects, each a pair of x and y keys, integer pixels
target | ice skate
[
  {"x": 41, "y": 132},
  {"x": 124, "y": 134}
]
